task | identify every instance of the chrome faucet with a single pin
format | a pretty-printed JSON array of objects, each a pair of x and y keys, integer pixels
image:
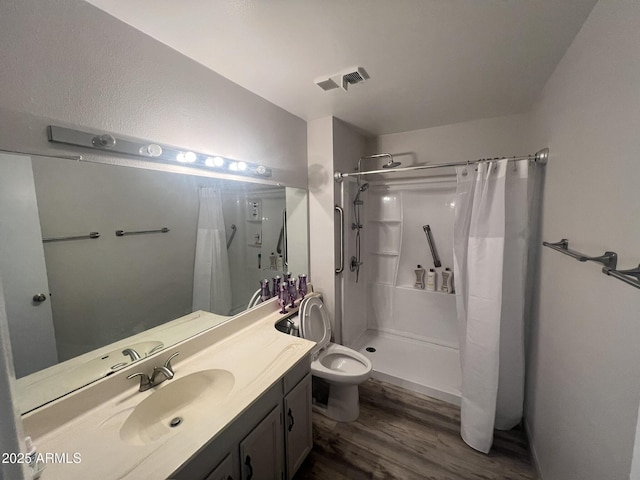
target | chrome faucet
[
  {"x": 132, "y": 353},
  {"x": 147, "y": 382}
]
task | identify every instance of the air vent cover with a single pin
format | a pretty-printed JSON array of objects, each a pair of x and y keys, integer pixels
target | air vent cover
[
  {"x": 327, "y": 84},
  {"x": 354, "y": 77}
]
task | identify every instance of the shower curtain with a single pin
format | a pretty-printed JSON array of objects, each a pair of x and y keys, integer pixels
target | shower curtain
[
  {"x": 494, "y": 206},
  {"x": 211, "y": 278}
]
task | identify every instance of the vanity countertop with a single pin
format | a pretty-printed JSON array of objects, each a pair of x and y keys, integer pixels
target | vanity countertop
[{"x": 88, "y": 422}]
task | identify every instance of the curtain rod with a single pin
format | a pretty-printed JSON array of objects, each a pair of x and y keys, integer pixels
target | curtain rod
[{"x": 541, "y": 157}]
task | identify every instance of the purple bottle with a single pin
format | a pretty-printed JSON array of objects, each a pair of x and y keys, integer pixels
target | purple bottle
[
  {"x": 283, "y": 298},
  {"x": 287, "y": 277},
  {"x": 302, "y": 285},
  {"x": 265, "y": 294},
  {"x": 276, "y": 285},
  {"x": 293, "y": 292}
]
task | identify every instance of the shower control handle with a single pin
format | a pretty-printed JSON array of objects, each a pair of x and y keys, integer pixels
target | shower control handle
[{"x": 354, "y": 264}]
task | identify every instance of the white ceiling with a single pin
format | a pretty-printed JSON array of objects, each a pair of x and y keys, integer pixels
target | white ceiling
[{"x": 431, "y": 62}]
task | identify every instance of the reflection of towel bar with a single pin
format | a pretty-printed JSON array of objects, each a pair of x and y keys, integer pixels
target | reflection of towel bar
[
  {"x": 73, "y": 237},
  {"x": 608, "y": 259},
  {"x": 122, "y": 233}
]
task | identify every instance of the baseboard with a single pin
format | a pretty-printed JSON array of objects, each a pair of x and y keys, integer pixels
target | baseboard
[{"x": 534, "y": 455}]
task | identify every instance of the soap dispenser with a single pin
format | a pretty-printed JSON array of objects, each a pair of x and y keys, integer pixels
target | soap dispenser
[
  {"x": 432, "y": 280},
  {"x": 419, "y": 277}
]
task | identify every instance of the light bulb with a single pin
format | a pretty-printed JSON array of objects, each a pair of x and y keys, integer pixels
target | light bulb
[
  {"x": 151, "y": 150},
  {"x": 242, "y": 166},
  {"x": 233, "y": 166},
  {"x": 186, "y": 157},
  {"x": 261, "y": 170}
]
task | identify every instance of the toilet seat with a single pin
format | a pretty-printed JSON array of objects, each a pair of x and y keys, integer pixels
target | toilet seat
[
  {"x": 331, "y": 361},
  {"x": 314, "y": 323},
  {"x": 341, "y": 364}
]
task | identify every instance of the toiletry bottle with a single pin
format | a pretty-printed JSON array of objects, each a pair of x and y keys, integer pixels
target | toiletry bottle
[
  {"x": 447, "y": 281},
  {"x": 280, "y": 263},
  {"x": 265, "y": 294},
  {"x": 432, "y": 280},
  {"x": 419, "y": 277},
  {"x": 272, "y": 261},
  {"x": 276, "y": 285}
]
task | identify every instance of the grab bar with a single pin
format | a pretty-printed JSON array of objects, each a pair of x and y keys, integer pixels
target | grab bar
[
  {"x": 122, "y": 233},
  {"x": 73, "y": 237},
  {"x": 341, "y": 213},
  {"x": 233, "y": 234},
  {"x": 432, "y": 246}
]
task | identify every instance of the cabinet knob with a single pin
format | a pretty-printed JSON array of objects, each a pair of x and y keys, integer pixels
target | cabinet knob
[{"x": 39, "y": 297}]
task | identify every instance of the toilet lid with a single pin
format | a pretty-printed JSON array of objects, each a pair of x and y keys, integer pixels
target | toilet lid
[{"x": 314, "y": 323}]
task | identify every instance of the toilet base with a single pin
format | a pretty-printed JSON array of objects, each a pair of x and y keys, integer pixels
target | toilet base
[{"x": 343, "y": 403}]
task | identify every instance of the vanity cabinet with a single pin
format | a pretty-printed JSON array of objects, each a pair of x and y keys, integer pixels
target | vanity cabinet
[
  {"x": 261, "y": 452},
  {"x": 297, "y": 420},
  {"x": 268, "y": 441},
  {"x": 224, "y": 471}
]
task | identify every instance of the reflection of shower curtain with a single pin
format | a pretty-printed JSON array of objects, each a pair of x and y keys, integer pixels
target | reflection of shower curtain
[
  {"x": 211, "y": 279},
  {"x": 490, "y": 256}
]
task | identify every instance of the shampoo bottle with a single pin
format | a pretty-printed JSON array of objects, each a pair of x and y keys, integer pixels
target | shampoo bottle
[
  {"x": 447, "y": 281},
  {"x": 432, "y": 277},
  {"x": 419, "y": 277}
]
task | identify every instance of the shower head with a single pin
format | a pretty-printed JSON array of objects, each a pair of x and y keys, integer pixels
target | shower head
[
  {"x": 361, "y": 189},
  {"x": 391, "y": 164}
]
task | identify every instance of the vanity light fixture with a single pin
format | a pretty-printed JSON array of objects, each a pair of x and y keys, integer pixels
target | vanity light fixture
[{"x": 154, "y": 151}]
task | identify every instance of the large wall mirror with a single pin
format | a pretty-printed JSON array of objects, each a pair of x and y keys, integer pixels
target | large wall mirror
[{"x": 81, "y": 308}]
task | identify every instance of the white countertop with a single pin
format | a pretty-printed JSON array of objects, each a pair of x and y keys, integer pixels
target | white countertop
[{"x": 88, "y": 422}]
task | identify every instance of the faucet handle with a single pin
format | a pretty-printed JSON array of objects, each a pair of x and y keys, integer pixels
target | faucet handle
[
  {"x": 145, "y": 381},
  {"x": 167, "y": 364}
]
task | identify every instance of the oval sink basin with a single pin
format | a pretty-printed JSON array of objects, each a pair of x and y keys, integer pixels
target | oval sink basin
[{"x": 175, "y": 405}]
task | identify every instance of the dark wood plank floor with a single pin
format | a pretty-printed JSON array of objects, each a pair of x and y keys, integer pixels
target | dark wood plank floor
[{"x": 405, "y": 435}]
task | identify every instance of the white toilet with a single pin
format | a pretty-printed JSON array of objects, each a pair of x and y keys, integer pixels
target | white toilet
[{"x": 343, "y": 368}]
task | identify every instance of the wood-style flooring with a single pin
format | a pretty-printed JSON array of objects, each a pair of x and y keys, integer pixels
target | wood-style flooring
[{"x": 405, "y": 435}]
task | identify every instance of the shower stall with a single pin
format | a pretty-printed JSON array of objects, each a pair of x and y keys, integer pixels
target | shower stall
[
  {"x": 410, "y": 334},
  {"x": 401, "y": 220}
]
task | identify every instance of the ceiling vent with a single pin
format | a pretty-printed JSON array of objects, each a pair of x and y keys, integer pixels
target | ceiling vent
[
  {"x": 357, "y": 75},
  {"x": 326, "y": 84},
  {"x": 352, "y": 76}
]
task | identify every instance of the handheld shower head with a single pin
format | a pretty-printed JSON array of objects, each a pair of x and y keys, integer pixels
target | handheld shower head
[{"x": 361, "y": 189}]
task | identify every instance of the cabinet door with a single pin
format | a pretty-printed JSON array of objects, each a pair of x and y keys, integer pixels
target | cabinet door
[
  {"x": 224, "y": 471},
  {"x": 261, "y": 452},
  {"x": 298, "y": 425}
]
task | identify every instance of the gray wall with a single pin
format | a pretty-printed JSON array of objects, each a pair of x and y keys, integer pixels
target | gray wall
[
  {"x": 74, "y": 64},
  {"x": 583, "y": 389}
]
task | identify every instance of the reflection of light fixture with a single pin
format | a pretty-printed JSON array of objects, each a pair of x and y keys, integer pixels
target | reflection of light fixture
[
  {"x": 214, "y": 162},
  {"x": 105, "y": 141},
  {"x": 151, "y": 150},
  {"x": 186, "y": 157},
  {"x": 154, "y": 151}
]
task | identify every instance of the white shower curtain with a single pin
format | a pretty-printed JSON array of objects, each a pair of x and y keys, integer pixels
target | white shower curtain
[
  {"x": 491, "y": 231},
  {"x": 211, "y": 279}
]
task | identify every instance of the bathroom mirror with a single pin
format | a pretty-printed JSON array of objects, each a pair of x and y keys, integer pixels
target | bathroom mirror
[{"x": 82, "y": 308}]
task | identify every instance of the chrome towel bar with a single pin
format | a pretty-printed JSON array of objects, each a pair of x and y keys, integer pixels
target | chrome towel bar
[
  {"x": 608, "y": 259},
  {"x": 73, "y": 237},
  {"x": 122, "y": 233}
]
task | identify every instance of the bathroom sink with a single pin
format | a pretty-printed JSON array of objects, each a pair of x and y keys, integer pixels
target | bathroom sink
[{"x": 177, "y": 404}]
